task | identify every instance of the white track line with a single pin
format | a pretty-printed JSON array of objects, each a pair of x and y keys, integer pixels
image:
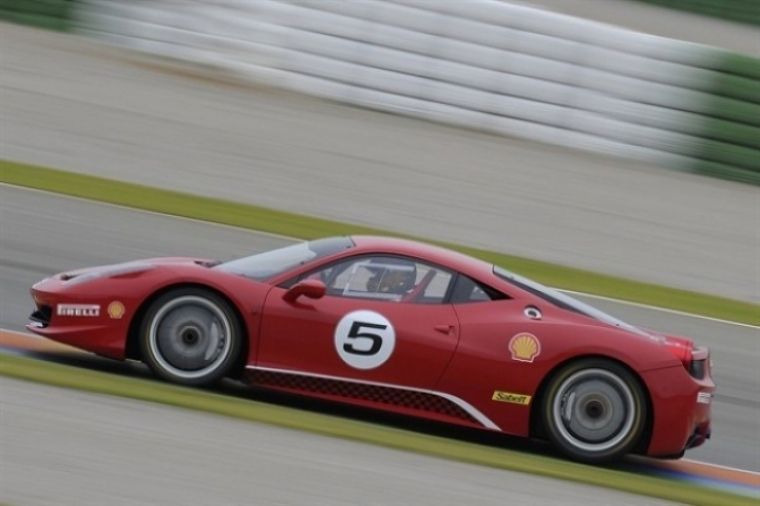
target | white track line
[
  {"x": 664, "y": 310},
  {"x": 156, "y": 213},
  {"x": 279, "y": 236}
]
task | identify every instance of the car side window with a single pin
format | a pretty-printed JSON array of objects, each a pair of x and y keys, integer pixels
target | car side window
[
  {"x": 468, "y": 290},
  {"x": 390, "y": 278}
]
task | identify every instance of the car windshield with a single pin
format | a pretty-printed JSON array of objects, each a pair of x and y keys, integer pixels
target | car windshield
[
  {"x": 271, "y": 263},
  {"x": 563, "y": 300}
]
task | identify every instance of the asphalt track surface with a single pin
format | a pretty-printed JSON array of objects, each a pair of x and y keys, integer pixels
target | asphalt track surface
[
  {"x": 71, "y": 103},
  {"x": 43, "y": 233},
  {"x": 125, "y": 452}
]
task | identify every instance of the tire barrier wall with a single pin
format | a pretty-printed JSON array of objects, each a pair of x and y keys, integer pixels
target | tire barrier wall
[{"x": 484, "y": 64}]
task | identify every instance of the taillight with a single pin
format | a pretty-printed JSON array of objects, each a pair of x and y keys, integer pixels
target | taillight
[
  {"x": 698, "y": 368},
  {"x": 700, "y": 362},
  {"x": 694, "y": 359},
  {"x": 681, "y": 349}
]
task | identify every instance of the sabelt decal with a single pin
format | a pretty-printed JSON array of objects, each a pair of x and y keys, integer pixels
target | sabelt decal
[
  {"x": 116, "y": 310},
  {"x": 510, "y": 397},
  {"x": 84, "y": 310},
  {"x": 524, "y": 347}
]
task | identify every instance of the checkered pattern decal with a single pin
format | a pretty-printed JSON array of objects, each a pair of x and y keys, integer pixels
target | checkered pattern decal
[{"x": 420, "y": 401}]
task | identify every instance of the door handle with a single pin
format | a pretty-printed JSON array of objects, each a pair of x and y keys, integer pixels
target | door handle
[{"x": 444, "y": 329}]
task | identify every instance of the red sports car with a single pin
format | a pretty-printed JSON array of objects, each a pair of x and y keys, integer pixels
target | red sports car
[{"x": 395, "y": 325}]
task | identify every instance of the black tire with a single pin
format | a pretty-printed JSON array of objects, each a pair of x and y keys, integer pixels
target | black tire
[
  {"x": 191, "y": 336},
  {"x": 594, "y": 410}
]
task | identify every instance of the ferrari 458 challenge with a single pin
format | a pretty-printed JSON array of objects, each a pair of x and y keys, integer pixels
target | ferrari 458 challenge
[{"x": 399, "y": 326}]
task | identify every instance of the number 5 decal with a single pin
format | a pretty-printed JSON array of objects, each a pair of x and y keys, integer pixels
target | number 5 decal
[
  {"x": 355, "y": 333},
  {"x": 364, "y": 339}
]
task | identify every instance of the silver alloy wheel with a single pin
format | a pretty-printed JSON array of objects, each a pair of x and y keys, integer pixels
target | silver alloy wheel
[
  {"x": 594, "y": 410},
  {"x": 190, "y": 337}
]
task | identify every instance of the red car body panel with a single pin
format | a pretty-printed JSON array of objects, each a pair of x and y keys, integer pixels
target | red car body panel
[
  {"x": 449, "y": 360},
  {"x": 419, "y": 359}
]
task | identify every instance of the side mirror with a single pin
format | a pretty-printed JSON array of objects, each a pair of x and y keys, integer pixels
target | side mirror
[{"x": 311, "y": 288}]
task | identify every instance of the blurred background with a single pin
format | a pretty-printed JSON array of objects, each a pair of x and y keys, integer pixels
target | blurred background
[
  {"x": 513, "y": 127},
  {"x": 510, "y": 68},
  {"x": 506, "y": 126},
  {"x": 617, "y": 136}
]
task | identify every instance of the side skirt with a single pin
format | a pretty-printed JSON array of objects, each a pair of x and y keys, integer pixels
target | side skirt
[{"x": 408, "y": 400}]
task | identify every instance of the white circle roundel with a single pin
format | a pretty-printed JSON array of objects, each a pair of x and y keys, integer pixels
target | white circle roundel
[{"x": 364, "y": 339}]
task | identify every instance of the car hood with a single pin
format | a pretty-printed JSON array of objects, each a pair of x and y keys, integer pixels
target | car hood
[{"x": 78, "y": 276}]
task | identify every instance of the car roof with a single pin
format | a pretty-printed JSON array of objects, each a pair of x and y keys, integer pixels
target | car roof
[{"x": 465, "y": 264}]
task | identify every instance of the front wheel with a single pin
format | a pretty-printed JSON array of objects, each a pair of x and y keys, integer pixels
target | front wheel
[
  {"x": 191, "y": 336},
  {"x": 594, "y": 410}
]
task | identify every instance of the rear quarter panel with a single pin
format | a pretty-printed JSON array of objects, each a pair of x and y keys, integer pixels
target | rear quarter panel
[{"x": 483, "y": 363}]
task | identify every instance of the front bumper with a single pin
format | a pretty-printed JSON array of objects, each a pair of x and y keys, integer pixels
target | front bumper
[
  {"x": 104, "y": 339},
  {"x": 77, "y": 320}
]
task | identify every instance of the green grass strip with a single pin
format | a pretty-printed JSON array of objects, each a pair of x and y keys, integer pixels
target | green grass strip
[
  {"x": 738, "y": 87},
  {"x": 723, "y": 171},
  {"x": 50, "y": 14},
  {"x": 733, "y": 110},
  {"x": 743, "y": 11},
  {"x": 104, "y": 383},
  {"x": 727, "y": 131},
  {"x": 741, "y": 64},
  {"x": 724, "y": 153},
  {"x": 306, "y": 227}
]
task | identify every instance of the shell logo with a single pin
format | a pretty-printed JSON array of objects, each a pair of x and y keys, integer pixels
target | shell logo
[
  {"x": 524, "y": 347},
  {"x": 116, "y": 310}
]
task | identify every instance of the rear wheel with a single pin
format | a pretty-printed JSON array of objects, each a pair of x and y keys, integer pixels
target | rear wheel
[
  {"x": 594, "y": 410},
  {"x": 191, "y": 336}
]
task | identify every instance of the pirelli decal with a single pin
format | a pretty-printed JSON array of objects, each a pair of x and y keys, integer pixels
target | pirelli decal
[
  {"x": 511, "y": 398},
  {"x": 84, "y": 310}
]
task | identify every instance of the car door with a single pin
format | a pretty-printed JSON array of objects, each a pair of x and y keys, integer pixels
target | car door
[{"x": 383, "y": 319}]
